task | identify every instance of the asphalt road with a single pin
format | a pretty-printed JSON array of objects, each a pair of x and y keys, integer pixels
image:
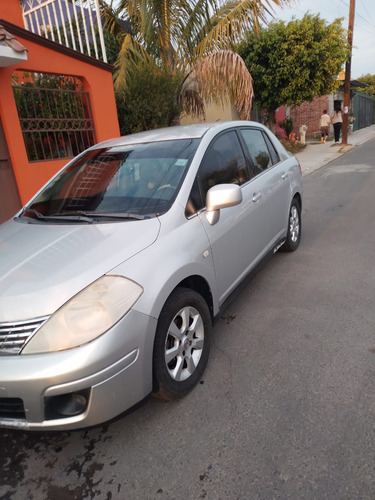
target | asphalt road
[{"x": 286, "y": 407}]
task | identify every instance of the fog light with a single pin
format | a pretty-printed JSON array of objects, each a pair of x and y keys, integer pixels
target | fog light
[{"x": 66, "y": 405}]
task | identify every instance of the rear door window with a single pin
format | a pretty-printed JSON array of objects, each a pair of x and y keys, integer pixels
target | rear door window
[{"x": 261, "y": 151}]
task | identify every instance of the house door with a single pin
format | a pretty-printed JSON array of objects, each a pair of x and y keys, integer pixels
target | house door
[{"x": 9, "y": 198}]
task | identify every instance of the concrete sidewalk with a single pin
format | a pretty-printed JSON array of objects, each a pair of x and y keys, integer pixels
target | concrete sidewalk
[{"x": 315, "y": 155}]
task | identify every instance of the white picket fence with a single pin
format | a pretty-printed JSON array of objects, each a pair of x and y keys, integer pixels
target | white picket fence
[{"x": 73, "y": 24}]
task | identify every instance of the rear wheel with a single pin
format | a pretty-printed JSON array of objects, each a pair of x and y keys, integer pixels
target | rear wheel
[
  {"x": 293, "y": 236},
  {"x": 182, "y": 344}
]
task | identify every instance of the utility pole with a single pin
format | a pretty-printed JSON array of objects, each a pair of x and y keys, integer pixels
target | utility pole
[{"x": 345, "y": 118}]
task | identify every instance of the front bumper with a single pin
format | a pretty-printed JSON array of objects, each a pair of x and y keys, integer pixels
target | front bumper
[{"x": 114, "y": 372}]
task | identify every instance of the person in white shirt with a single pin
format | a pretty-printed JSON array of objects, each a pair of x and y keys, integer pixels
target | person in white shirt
[{"x": 325, "y": 120}]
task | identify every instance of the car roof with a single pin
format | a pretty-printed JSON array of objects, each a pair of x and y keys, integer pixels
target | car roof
[{"x": 195, "y": 131}]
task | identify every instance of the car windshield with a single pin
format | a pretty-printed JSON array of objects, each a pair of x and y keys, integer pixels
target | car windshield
[{"x": 128, "y": 182}]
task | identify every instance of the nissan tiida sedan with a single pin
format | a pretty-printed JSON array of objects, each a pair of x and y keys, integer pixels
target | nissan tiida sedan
[{"x": 112, "y": 276}]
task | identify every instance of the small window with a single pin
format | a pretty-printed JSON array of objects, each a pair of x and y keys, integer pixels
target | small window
[
  {"x": 274, "y": 155},
  {"x": 195, "y": 201},
  {"x": 259, "y": 153}
]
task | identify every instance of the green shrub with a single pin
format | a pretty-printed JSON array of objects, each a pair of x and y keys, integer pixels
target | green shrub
[
  {"x": 287, "y": 125},
  {"x": 149, "y": 101}
]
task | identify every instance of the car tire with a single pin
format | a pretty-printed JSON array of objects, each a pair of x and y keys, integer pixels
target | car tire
[
  {"x": 182, "y": 344},
  {"x": 293, "y": 236}
]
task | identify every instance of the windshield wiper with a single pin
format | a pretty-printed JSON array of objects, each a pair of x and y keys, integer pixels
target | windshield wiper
[
  {"x": 37, "y": 214},
  {"x": 125, "y": 215},
  {"x": 102, "y": 215},
  {"x": 80, "y": 217}
]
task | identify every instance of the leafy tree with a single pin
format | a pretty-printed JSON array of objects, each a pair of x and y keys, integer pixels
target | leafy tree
[
  {"x": 293, "y": 62},
  {"x": 370, "y": 80},
  {"x": 178, "y": 35}
]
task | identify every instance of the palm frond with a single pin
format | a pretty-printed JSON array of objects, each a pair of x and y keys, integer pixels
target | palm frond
[
  {"x": 111, "y": 21},
  {"x": 131, "y": 54},
  {"x": 233, "y": 20},
  {"x": 219, "y": 76}
]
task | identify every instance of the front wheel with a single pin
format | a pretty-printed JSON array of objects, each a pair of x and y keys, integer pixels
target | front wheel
[
  {"x": 293, "y": 236},
  {"x": 182, "y": 344}
]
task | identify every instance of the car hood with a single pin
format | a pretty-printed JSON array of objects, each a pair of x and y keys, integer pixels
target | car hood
[{"x": 44, "y": 265}]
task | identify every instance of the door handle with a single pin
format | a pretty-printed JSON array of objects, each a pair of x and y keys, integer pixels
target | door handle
[
  {"x": 257, "y": 197},
  {"x": 284, "y": 176}
]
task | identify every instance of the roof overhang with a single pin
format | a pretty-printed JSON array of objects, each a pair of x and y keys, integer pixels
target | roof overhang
[
  {"x": 355, "y": 84},
  {"x": 8, "y": 56},
  {"x": 11, "y": 50}
]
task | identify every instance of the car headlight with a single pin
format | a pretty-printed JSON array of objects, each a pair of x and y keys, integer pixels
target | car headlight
[{"x": 86, "y": 316}]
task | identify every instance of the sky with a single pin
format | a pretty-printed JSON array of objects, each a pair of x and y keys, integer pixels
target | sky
[{"x": 363, "y": 53}]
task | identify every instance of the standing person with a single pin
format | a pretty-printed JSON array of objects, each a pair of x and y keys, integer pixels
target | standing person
[
  {"x": 325, "y": 120},
  {"x": 336, "y": 119}
]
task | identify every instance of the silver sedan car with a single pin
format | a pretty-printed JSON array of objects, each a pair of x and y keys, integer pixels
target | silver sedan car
[{"x": 112, "y": 276}]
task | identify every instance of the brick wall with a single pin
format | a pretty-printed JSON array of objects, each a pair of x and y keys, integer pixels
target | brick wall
[{"x": 309, "y": 114}]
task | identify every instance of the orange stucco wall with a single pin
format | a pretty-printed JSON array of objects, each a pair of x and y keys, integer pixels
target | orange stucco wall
[
  {"x": 31, "y": 176},
  {"x": 11, "y": 11}
]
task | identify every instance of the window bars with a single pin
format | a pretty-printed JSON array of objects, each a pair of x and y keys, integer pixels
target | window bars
[
  {"x": 76, "y": 24},
  {"x": 56, "y": 123}
]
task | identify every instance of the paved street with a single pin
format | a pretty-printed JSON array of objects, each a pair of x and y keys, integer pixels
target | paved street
[
  {"x": 286, "y": 407},
  {"x": 316, "y": 155}
]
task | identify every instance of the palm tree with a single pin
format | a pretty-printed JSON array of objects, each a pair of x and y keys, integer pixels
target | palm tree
[
  {"x": 219, "y": 76},
  {"x": 194, "y": 38}
]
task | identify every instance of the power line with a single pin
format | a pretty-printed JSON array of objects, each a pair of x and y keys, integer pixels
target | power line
[
  {"x": 365, "y": 8},
  {"x": 359, "y": 15}
]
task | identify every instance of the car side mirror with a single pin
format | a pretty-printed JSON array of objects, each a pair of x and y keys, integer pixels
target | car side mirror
[{"x": 221, "y": 196}]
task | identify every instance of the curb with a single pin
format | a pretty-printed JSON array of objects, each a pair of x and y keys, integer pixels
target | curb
[{"x": 346, "y": 148}]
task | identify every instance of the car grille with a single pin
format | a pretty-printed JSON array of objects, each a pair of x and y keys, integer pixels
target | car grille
[
  {"x": 13, "y": 336},
  {"x": 12, "y": 408}
]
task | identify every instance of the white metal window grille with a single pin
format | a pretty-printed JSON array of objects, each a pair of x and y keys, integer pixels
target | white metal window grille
[{"x": 75, "y": 24}]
